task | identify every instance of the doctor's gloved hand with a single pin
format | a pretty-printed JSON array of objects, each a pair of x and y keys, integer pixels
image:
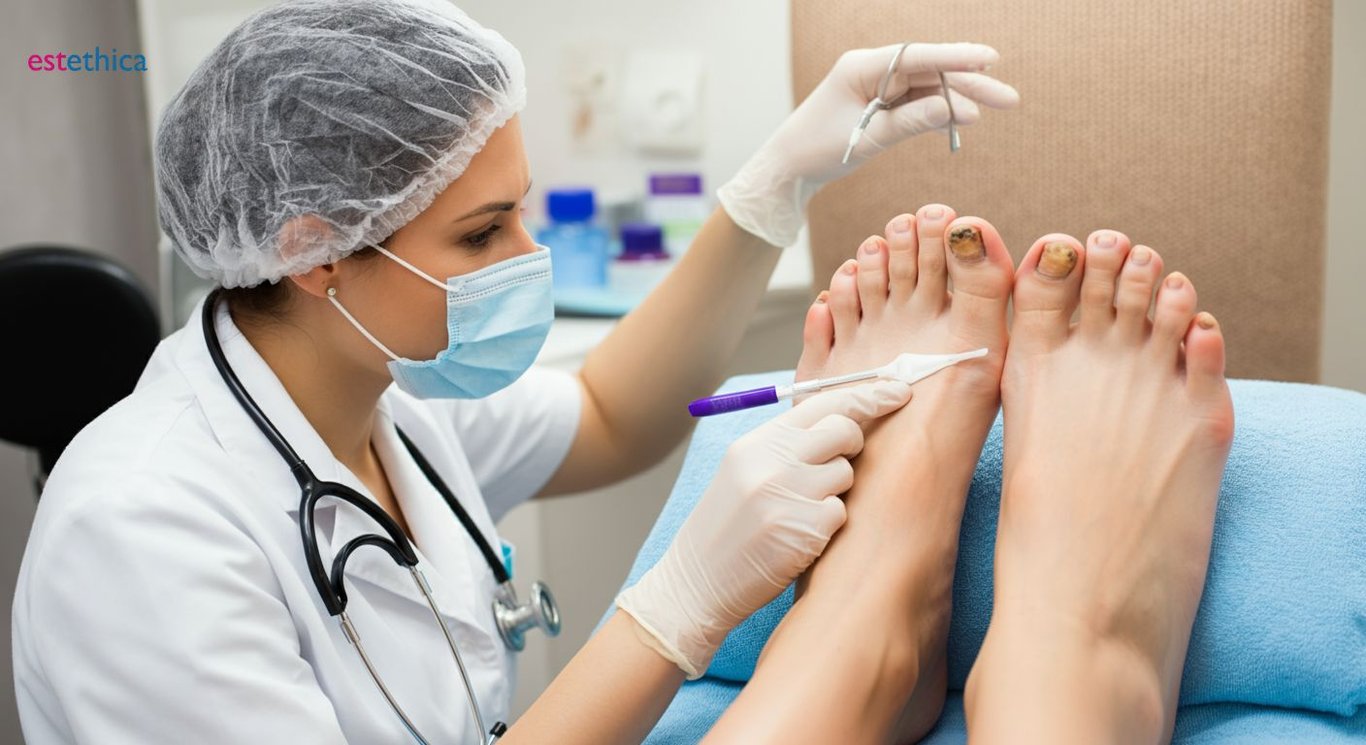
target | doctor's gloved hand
[
  {"x": 767, "y": 515},
  {"x": 768, "y": 197}
]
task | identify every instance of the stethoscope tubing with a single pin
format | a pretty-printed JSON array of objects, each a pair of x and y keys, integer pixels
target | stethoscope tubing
[{"x": 331, "y": 588}]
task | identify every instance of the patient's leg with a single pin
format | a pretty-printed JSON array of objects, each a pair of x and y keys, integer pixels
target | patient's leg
[
  {"x": 1116, "y": 434},
  {"x": 869, "y": 629}
]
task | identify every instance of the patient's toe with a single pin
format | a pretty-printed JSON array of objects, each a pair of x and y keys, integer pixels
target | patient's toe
[
  {"x": 1105, "y": 252},
  {"x": 1046, "y": 292},
  {"x": 901, "y": 258},
  {"x": 1205, "y": 360},
  {"x": 982, "y": 273},
  {"x": 872, "y": 277},
  {"x": 931, "y": 287},
  {"x": 1172, "y": 315},
  {"x": 844, "y": 301},
  {"x": 1134, "y": 295},
  {"x": 818, "y": 336}
]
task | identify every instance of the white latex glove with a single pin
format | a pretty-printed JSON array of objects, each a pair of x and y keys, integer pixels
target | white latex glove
[
  {"x": 769, "y": 512},
  {"x": 768, "y": 197}
]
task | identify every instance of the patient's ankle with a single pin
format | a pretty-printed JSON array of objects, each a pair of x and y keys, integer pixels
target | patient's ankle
[{"x": 1038, "y": 681}]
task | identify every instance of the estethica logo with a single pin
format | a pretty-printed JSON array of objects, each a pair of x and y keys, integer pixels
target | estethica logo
[{"x": 96, "y": 61}]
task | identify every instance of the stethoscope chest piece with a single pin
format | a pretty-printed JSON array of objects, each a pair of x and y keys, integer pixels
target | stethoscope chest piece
[{"x": 514, "y": 619}]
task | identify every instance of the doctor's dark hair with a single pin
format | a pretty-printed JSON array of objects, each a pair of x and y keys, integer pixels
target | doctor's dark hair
[{"x": 347, "y": 116}]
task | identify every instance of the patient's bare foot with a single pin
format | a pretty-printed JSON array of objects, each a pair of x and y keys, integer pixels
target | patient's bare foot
[
  {"x": 1117, "y": 430},
  {"x": 894, "y": 297},
  {"x": 911, "y": 480}
]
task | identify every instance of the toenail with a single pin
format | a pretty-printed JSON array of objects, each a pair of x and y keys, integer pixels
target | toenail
[
  {"x": 1141, "y": 256},
  {"x": 824, "y": 296},
  {"x": 1205, "y": 320},
  {"x": 1105, "y": 240},
  {"x": 934, "y": 213},
  {"x": 849, "y": 266},
  {"x": 902, "y": 224},
  {"x": 1174, "y": 282},
  {"x": 1057, "y": 260},
  {"x": 870, "y": 247},
  {"x": 966, "y": 243}
]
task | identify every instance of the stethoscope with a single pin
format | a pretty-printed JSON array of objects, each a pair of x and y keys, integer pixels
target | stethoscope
[{"x": 511, "y": 617}]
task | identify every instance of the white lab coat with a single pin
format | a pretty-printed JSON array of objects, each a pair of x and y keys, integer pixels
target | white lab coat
[{"x": 164, "y": 598}]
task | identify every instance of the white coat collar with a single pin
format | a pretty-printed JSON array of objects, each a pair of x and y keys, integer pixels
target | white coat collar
[{"x": 235, "y": 430}]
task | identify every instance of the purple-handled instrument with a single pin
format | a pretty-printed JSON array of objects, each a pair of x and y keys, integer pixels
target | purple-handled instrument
[{"x": 908, "y": 368}]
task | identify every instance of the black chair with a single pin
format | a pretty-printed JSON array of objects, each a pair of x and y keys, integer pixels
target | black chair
[{"x": 76, "y": 330}]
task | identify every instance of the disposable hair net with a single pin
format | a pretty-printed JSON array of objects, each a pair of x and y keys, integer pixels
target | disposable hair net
[{"x": 349, "y": 115}]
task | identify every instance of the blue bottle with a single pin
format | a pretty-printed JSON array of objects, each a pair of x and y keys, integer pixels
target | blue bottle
[{"x": 579, "y": 249}]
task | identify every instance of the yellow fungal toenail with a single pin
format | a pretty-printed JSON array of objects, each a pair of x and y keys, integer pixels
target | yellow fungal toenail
[
  {"x": 1057, "y": 260},
  {"x": 1205, "y": 320},
  {"x": 966, "y": 243}
]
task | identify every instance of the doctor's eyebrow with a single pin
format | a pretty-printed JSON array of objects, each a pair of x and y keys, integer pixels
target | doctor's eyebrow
[{"x": 494, "y": 206}]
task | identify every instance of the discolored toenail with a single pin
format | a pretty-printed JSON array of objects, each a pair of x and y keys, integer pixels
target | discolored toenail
[
  {"x": 1057, "y": 260},
  {"x": 966, "y": 243},
  {"x": 823, "y": 297},
  {"x": 1205, "y": 320}
]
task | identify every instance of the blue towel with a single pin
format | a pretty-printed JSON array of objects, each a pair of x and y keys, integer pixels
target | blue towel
[
  {"x": 701, "y": 703},
  {"x": 1283, "y": 619}
]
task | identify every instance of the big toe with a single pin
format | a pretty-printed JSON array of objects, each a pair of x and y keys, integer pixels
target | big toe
[
  {"x": 982, "y": 273},
  {"x": 1047, "y": 288}
]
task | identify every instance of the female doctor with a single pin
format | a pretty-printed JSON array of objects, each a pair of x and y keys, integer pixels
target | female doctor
[{"x": 269, "y": 541}]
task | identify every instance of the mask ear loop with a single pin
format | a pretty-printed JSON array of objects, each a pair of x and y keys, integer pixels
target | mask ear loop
[
  {"x": 332, "y": 297},
  {"x": 444, "y": 287}
]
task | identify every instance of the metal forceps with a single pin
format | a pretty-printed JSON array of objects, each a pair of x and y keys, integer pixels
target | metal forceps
[{"x": 880, "y": 103}]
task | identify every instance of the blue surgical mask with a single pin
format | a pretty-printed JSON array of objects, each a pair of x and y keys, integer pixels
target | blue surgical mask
[{"x": 497, "y": 320}]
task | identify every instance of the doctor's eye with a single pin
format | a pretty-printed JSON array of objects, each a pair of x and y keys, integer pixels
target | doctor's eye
[{"x": 481, "y": 239}]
